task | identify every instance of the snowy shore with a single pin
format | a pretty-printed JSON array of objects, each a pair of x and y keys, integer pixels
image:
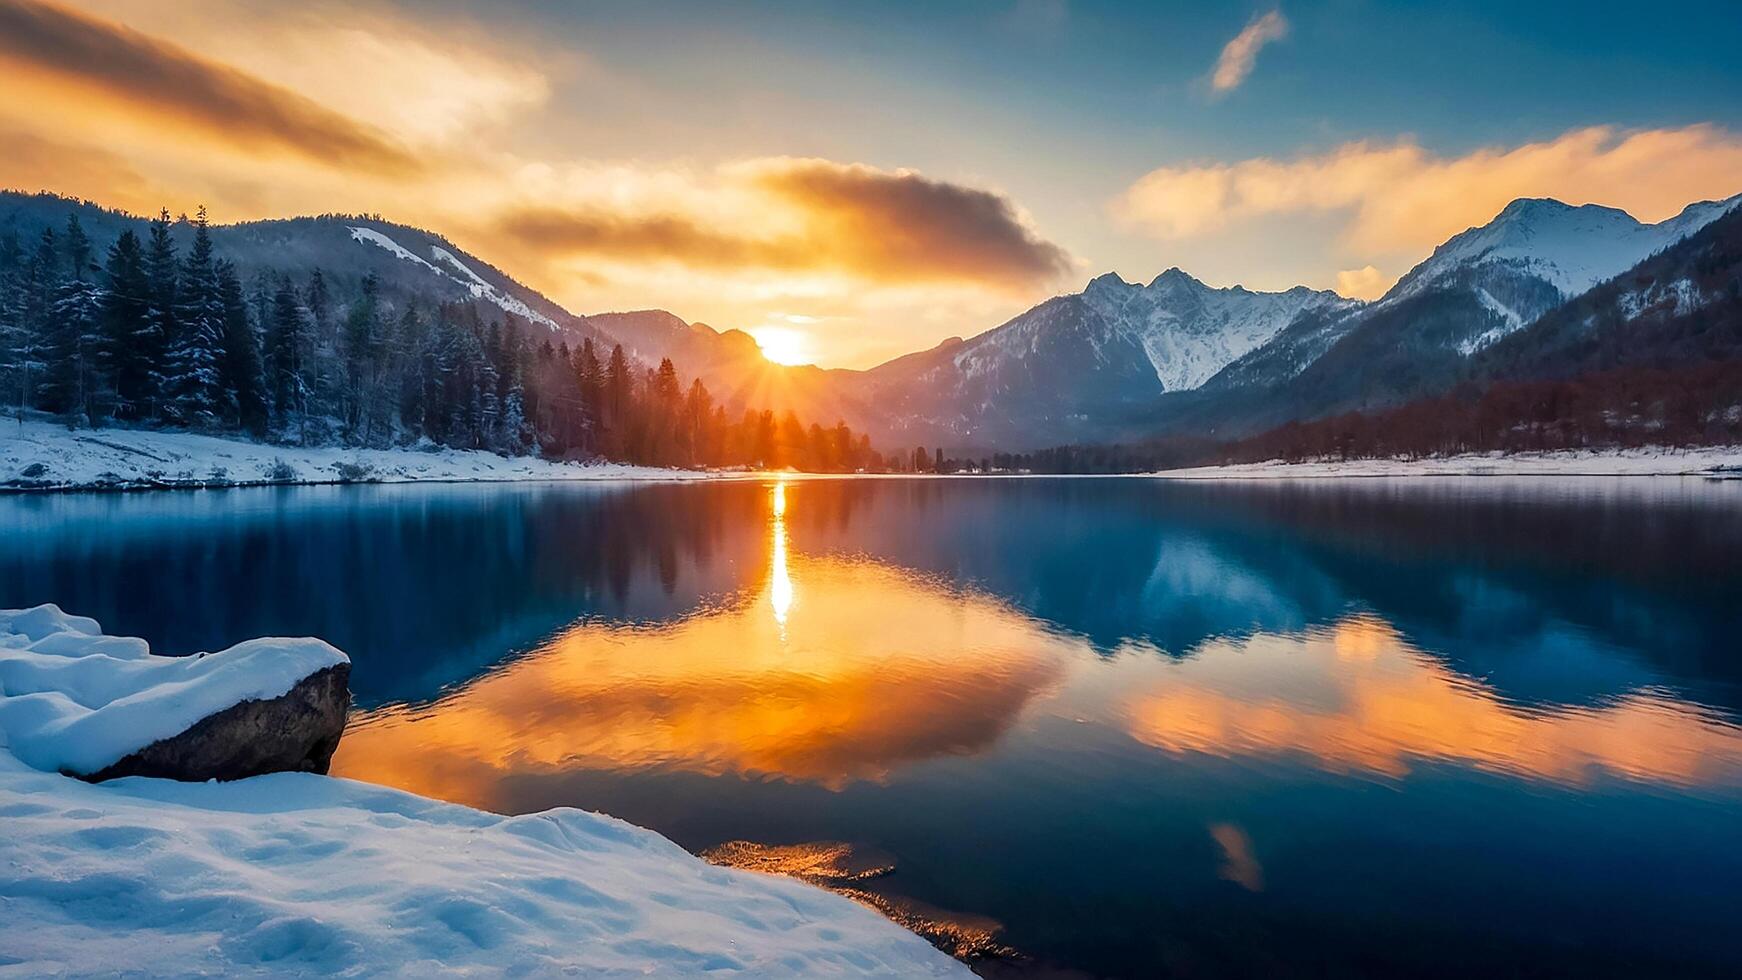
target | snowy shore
[
  {"x": 1707, "y": 461},
  {"x": 43, "y": 455},
  {"x": 295, "y": 873}
]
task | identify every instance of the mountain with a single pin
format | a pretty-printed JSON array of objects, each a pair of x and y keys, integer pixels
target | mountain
[
  {"x": 1652, "y": 356},
  {"x": 1681, "y": 306},
  {"x": 411, "y": 263},
  {"x": 1121, "y": 360},
  {"x": 1476, "y": 289},
  {"x": 1080, "y": 366}
]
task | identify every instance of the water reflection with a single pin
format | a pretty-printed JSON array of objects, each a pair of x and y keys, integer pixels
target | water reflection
[
  {"x": 1460, "y": 728},
  {"x": 1357, "y": 698},
  {"x": 779, "y": 580},
  {"x": 877, "y": 667}
]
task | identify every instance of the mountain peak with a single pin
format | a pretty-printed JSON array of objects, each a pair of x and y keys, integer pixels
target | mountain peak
[
  {"x": 1175, "y": 277},
  {"x": 1107, "y": 280}
]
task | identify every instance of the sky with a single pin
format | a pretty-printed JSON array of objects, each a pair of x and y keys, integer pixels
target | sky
[{"x": 853, "y": 181}]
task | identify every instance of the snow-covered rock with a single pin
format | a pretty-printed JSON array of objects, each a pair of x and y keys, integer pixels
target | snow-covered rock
[
  {"x": 299, "y": 874},
  {"x": 73, "y": 700}
]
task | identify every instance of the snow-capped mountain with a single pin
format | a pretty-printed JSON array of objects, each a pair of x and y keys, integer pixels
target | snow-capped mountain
[
  {"x": 1567, "y": 248},
  {"x": 1186, "y": 330},
  {"x": 1476, "y": 289},
  {"x": 1061, "y": 369}
]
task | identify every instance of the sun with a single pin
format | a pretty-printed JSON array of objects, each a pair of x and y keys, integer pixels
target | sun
[{"x": 783, "y": 345}]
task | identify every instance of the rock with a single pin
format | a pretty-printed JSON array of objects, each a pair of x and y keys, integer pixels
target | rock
[{"x": 296, "y": 732}]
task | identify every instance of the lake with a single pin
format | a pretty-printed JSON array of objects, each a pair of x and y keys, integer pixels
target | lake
[{"x": 1103, "y": 727}]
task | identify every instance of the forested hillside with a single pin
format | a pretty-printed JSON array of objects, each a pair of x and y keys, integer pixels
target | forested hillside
[
  {"x": 1651, "y": 357},
  {"x": 125, "y": 324}
]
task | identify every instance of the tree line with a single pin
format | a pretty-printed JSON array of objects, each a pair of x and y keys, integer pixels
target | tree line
[
  {"x": 1699, "y": 404},
  {"x": 147, "y": 334}
]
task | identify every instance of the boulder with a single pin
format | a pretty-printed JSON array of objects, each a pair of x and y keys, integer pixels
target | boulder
[{"x": 295, "y": 732}]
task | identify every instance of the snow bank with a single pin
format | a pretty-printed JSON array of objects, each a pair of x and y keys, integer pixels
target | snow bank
[
  {"x": 47, "y": 455},
  {"x": 1711, "y": 461},
  {"x": 295, "y": 873},
  {"x": 74, "y": 700}
]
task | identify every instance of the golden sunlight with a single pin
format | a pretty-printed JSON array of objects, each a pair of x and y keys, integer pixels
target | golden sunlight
[
  {"x": 1378, "y": 705},
  {"x": 878, "y": 668},
  {"x": 780, "y": 581},
  {"x": 783, "y": 345}
]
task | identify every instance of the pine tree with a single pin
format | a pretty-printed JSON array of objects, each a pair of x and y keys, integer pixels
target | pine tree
[
  {"x": 153, "y": 340},
  {"x": 590, "y": 377},
  {"x": 243, "y": 383},
  {"x": 128, "y": 325},
  {"x": 12, "y": 333},
  {"x": 74, "y": 334},
  {"x": 287, "y": 346},
  {"x": 195, "y": 377},
  {"x": 619, "y": 391}
]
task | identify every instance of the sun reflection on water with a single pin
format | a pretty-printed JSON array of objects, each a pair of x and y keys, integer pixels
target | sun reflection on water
[
  {"x": 780, "y": 579},
  {"x": 880, "y": 668}
]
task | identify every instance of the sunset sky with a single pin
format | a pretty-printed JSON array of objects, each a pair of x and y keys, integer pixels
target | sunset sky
[{"x": 854, "y": 181}]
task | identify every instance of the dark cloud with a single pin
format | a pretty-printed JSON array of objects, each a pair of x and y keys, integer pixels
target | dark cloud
[
  {"x": 882, "y": 226},
  {"x": 153, "y": 76}
]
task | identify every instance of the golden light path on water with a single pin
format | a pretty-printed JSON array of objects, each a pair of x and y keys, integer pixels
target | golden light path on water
[{"x": 840, "y": 669}]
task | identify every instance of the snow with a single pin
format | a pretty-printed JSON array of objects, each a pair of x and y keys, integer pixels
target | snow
[
  {"x": 373, "y": 237},
  {"x": 443, "y": 255},
  {"x": 1677, "y": 298},
  {"x": 474, "y": 284},
  {"x": 74, "y": 700},
  {"x": 1572, "y": 248},
  {"x": 1188, "y": 331},
  {"x": 46, "y": 455},
  {"x": 1712, "y": 461},
  {"x": 301, "y": 874}
]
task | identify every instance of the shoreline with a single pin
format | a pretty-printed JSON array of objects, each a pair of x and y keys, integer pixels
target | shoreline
[
  {"x": 39, "y": 456},
  {"x": 1707, "y": 462},
  {"x": 302, "y": 872}
]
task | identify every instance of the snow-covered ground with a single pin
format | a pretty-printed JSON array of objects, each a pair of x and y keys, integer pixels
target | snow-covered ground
[
  {"x": 39, "y": 454},
  {"x": 1709, "y": 461},
  {"x": 301, "y": 874}
]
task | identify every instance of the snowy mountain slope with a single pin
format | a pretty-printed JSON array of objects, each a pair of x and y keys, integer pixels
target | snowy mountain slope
[
  {"x": 1290, "y": 352},
  {"x": 1477, "y": 289},
  {"x": 452, "y": 268},
  {"x": 1681, "y": 306},
  {"x": 1570, "y": 248},
  {"x": 1190, "y": 331},
  {"x": 1078, "y": 364},
  {"x": 1186, "y": 331}
]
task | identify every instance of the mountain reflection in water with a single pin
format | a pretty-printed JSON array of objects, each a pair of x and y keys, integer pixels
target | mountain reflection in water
[
  {"x": 1443, "y": 728},
  {"x": 844, "y": 668}
]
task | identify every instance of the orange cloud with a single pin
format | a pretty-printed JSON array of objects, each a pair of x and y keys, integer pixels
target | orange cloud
[
  {"x": 1378, "y": 706},
  {"x": 1399, "y": 196},
  {"x": 1366, "y": 282},
  {"x": 36, "y": 163},
  {"x": 72, "y": 57},
  {"x": 1241, "y": 54},
  {"x": 826, "y": 217}
]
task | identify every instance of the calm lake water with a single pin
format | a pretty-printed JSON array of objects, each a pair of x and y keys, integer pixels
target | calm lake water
[{"x": 1447, "y": 727}]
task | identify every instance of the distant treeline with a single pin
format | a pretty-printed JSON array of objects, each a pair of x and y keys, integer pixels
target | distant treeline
[
  {"x": 151, "y": 337},
  {"x": 1700, "y": 404}
]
